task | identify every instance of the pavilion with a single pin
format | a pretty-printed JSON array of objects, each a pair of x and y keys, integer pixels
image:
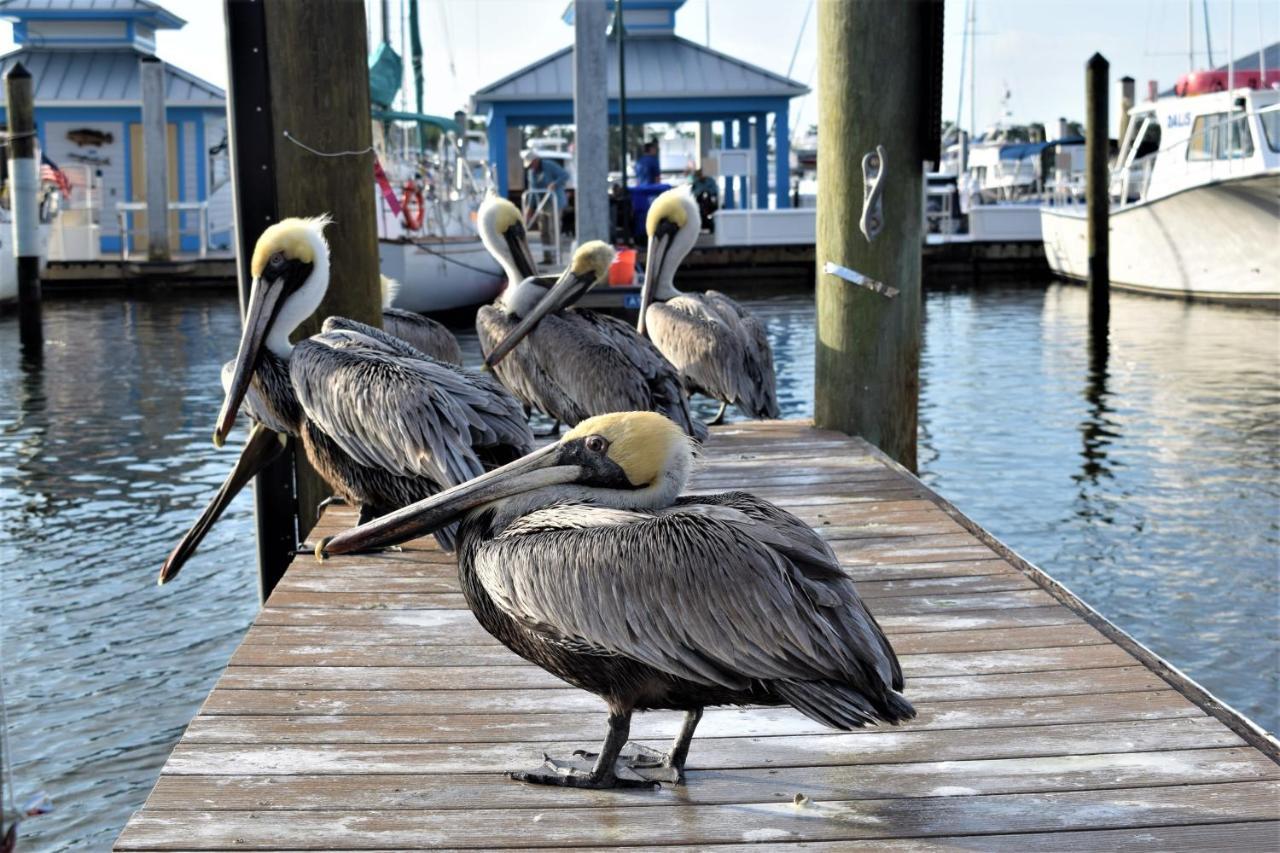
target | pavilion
[{"x": 669, "y": 79}]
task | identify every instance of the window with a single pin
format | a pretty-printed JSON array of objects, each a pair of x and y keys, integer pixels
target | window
[
  {"x": 1271, "y": 127},
  {"x": 1217, "y": 137}
]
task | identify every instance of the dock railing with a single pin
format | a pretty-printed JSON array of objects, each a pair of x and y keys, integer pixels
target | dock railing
[
  {"x": 126, "y": 209},
  {"x": 540, "y": 200}
]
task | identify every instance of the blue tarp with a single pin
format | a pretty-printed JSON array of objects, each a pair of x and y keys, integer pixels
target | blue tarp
[{"x": 1030, "y": 149}]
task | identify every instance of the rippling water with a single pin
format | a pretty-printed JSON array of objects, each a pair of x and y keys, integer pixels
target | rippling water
[{"x": 1150, "y": 488}]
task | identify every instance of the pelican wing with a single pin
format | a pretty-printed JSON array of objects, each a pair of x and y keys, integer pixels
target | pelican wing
[
  {"x": 566, "y": 367},
  {"x": 759, "y": 390},
  {"x": 423, "y": 333},
  {"x": 501, "y": 421},
  {"x": 409, "y": 416},
  {"x": 666, "y": 395},
  {"x": 699, "y": 343},
  {"x": 717, "y": 592}
]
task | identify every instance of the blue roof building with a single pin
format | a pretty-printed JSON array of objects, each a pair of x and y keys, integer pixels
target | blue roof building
[
  {"x": 83, "y": 56},
  {"x": 669, "y": 79}
]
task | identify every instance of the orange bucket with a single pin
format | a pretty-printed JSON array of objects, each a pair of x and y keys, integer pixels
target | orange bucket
[{"x": 622, "y": 272}]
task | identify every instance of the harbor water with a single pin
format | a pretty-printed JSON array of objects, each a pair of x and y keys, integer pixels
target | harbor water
[{"x": 1147, "y": 484}]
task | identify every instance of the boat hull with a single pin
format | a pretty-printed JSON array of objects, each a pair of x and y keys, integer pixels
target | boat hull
[
  {"x": 440, "y": 274},
  {"x": 1214, "y": 242}
]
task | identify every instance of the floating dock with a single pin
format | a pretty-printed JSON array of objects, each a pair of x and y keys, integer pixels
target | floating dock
[{"x": 366, "y": 709}]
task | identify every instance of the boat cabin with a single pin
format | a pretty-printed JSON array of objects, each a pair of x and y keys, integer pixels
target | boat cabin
[{"x": 1174, "y": 143}]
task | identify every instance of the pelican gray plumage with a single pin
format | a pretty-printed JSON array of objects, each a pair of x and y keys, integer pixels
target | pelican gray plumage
[
  {"x": 384, "y": 424},
  {"x": 582, "y": 558},
  {"x": 421, "y": 333},
  {"x": 570, "y": 363},
  {"x": 720, "y": 348}
]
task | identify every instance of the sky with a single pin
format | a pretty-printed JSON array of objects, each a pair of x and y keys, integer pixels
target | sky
[{"x": 1033, "y": 49}]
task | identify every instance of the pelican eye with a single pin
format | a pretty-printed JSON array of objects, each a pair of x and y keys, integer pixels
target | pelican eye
[
  {"x": 277, "y": 259},
  {"x": 597, "y": 443}
]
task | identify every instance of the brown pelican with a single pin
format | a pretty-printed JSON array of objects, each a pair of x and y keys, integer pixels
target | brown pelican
[
  {"x": 720, "y": 349},
  {"x": 582, "y": 558},
  {"x": 569, "y": 362},
  {"x": 382, "y": 423},
  {"x": 421, "y": 333}
]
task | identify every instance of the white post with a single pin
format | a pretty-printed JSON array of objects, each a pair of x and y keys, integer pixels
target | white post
[
  {"x": 155, "y": 151},
  {"x": 591, "y": 118}
]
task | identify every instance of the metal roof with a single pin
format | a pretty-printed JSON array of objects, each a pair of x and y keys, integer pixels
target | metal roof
[
  {"x": 657, "y": 67},
  {"x": 156, "y": 15},
  {"x": 104, "y": 78}
]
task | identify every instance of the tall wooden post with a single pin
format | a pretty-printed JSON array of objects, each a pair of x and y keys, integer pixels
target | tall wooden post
[
  {"x": 24, "y": 187},
  {"x": 620, "y": 33},
  {"x": 155, "y": 153},
  {"x": 1097, "y": 186},
  {"x": 1126, "y": 104},
  {"x": 874, "y": 83},
  {"x": 295, "y": 65},
  {"x": 591, "y": 119}
]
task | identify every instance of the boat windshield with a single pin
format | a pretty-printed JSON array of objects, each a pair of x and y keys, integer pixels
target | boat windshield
[
  {"x": 1215, "y": 136},
  {"x": 1271, "y": 127}
]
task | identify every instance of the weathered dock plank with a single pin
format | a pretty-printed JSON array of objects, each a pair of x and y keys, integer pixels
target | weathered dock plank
[{"x": 367, "y": 710}]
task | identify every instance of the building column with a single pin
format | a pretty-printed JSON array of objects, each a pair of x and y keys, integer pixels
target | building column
[
  {"x": 705, "y": 140},
  {"x": 782, "y": 156},
  {"x": 155, "y": 150},
  {"x": 497, "y": 137},
  {"x": 744, "y": 141},
  {"x": 762, "y": 161},
  {"x": 726, "y": 141}
]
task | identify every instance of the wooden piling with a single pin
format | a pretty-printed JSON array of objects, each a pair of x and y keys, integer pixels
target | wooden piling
[
  {"x": 299, "y": 81},
  {"x": 1097, "y": 186},
  {"x": 1126, "y": 104},
  {"x": 155, "y": 153},
  {"x": 620, "y": 33},
  {"x": 24, "y": 186},
  {"x": 591, "y": 120},
  {"x": 872, "y": 62}
]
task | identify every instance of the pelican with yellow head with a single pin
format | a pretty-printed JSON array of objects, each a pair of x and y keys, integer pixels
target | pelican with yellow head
[
  {"x": 720, "y": 348},
  {"x": 582, "y": 557},
  {"x": 570, "y": 363},
  {"x": 384, "y": 423}
]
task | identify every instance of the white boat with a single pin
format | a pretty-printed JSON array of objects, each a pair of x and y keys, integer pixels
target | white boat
[
  {"x": 1195, "y": 197},
  {"x": 440, "y": 262}
]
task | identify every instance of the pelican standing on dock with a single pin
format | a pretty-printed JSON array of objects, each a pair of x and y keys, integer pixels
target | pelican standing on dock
[
  {"x": 720, "y": 348},
  {"x": 570, "y": 363},
  {"x": 382, "y": 423},
  {"x": 582, "y": 558}
]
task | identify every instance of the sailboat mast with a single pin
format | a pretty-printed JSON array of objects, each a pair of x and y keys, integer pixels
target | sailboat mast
[
  {"x": 973, "y": 67},
  {"x": 1191, "y": 35}
]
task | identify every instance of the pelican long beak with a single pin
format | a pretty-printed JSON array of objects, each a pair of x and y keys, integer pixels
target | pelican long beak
[
  {"x": 259, "y": 451},
  {"x": 264, "y": 301},
  {"x": 521, "y": 254},
  {"x": 568, "y": 289},
  {"x": 543, "y": 467},
  {"x": 659, "y": 243}
]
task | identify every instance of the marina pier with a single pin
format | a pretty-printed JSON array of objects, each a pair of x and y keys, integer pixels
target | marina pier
[{"x": 366, "y": 709}]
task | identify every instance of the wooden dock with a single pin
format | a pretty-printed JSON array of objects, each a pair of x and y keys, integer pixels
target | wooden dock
[{"x": 367, "y": 709}]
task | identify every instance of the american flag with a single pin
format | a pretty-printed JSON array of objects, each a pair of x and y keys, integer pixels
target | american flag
[{"x": 50, "y": 172}]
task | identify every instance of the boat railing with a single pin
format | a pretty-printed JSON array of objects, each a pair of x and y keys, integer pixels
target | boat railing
[
  {"x": 1220, "y": 149},
  {"x": 544, "y": 202}
]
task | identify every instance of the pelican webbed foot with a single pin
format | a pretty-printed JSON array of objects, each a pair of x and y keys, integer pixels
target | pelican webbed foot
[
  {"x": 719, "y": 418},
  {"x": 582, "y": 773},
  {"x": 654, "y": 764}
]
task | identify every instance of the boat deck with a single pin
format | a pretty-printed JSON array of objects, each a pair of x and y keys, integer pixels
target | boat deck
[{"x": 366, "y": 709}]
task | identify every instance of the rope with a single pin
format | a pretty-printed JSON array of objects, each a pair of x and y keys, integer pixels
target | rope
[
  {"x": 298, "y": 142},
  {"x": 424, "y": 247}
]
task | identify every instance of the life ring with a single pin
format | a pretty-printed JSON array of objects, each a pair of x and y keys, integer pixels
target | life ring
[{"x": 412, "y": 206}]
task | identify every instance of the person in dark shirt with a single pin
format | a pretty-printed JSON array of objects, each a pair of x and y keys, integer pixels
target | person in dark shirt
[{"x": 648, "y": 171}]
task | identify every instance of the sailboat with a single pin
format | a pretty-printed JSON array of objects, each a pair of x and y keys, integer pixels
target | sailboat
[{"x": 427, "y": 196}]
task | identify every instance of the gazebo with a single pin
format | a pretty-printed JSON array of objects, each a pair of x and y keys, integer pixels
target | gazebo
[{"x": 669, "y": 79}]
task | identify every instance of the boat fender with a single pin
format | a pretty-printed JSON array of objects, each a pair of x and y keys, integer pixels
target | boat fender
[{"x": 411, "y": 203}]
